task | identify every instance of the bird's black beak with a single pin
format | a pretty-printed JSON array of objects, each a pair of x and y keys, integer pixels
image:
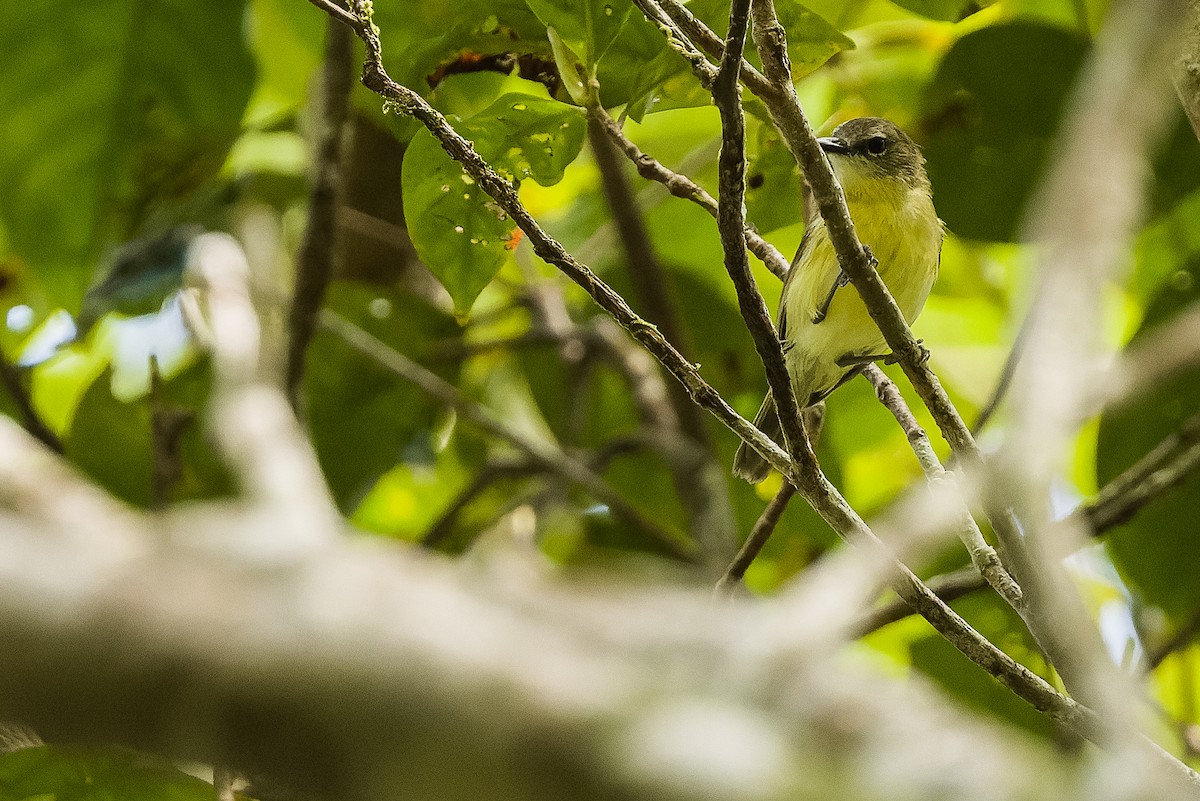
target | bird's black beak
[{"x": 831, "y": 144}]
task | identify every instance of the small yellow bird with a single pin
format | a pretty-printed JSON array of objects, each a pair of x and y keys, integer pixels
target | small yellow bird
[{"x": 826, "y": 332}]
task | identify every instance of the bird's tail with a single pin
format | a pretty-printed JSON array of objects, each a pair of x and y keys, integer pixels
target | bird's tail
[{"x": 747, "y": 464}]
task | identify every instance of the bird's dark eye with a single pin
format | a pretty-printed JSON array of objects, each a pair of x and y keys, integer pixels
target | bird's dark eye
[{"x": 876, "y": 145}]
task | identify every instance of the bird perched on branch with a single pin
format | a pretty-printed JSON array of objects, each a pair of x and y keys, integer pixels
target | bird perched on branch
[{"x": 826, "y": 332}]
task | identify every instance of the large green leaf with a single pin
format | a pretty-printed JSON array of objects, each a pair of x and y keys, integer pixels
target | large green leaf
[
  {"x": 990, "y": 116},
  {"x": 811, "y": 40},
  {"x": 66, "y": 773},
  {"x": 642, "y": 72},
  {"x": 361, "y": 416},
  {"x": 421, "y": 39},
  {"x": 1158, "y": 552},
  {"x": 587, "y": 27},
  {"x": 457, "y": 230},
  {"x": 112, "y": 108}
]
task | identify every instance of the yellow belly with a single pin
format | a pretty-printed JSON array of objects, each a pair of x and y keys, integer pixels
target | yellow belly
[{"x": 906, "y": 238}]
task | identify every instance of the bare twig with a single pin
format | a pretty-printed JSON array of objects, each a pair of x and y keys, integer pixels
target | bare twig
[
  {"x": 485, "y": 477},
  {"x": 681, "y": 186},
  {"x": 1164, "y": 467},
  {"x": 1004, "y": 381},
  {"x": 759, "y": 534},
  {"x": 691, "y": 28},
  {"x": 315, "y": 260},
  {"x": 948, "y": 587},
  {"x": 983, "y": 556},
  {"x": 1179, "y": 640},
  {"x": 731, "y": 222},
  {"x": 167, "y": 425},
  {"x": 541, "y": 452},
  {"x": 14, "y": 384}
]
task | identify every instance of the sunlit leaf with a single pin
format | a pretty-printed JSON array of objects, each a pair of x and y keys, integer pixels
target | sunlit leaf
[
  {"x": 76, "y": 774},
  {"x": 458, "y": 231}
]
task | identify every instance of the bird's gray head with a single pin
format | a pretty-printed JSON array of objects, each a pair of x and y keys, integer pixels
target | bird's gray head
[{"x": 871, "y": 153}]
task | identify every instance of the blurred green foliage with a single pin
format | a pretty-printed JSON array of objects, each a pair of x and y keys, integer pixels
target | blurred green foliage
[{"x": 123, "y": 120}]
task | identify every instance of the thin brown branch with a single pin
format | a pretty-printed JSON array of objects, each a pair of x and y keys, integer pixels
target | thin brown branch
[
  {"x": 759, "y": 534},
  {"x": 318, "y": 248},
  {"x": 983, "y": 556},
  {"x": 806, "y": 475},
  {"x": 485, "y": 477},
  {"x": 731, "y": 222},
  {"x": 693, "y": 29},
  {"x": 1165, "y": 466},
  {"x": 540, "y": 452},
  {"x": 167, "y": 426},
  {"x": 948, "y": 587},
  {"x": 683, "y": 187},
  {"x": 14, "y": 384}
]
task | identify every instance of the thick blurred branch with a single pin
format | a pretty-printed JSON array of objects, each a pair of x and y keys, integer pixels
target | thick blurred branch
[
  {"x": 1186, "y": 69},
  {"x": 318, "y": 248},
  {"x": 1083, "y": 219},
  {"x": 363, "y": 671}
]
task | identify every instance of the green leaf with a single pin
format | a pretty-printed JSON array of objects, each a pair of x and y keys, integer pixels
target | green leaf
[
  {"x": 587, "y": 27},
  {"x": 773, "y": 196},
  {"x": 66, "y": 773},
  {"x": 948, "y": 10},
  {"x": 422, "y": 41},
  {"x": 640, "y": 70},
  {"x": 1157, "y": 552},
  {"x": 811, "y": 40},
  {"x": 990, "y": 116},
  {"x": 362, "y": 417},
  {"x": 110, "y": 440},
  {"x": 144, "y": 102},
  {"x": 457, "y": 230}
]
